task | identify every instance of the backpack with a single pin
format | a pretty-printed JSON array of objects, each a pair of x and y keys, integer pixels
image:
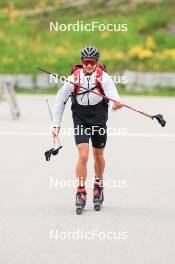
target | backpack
[{"x": 76, "y": 72}]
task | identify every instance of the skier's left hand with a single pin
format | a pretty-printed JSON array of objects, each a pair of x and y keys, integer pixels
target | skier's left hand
[{"x": 117, "y": 105}]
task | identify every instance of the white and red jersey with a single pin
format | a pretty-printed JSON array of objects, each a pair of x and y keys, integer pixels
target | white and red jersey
[{"x": 87, "y": 81}]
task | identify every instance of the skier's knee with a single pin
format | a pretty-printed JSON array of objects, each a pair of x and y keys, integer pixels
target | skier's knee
[
  {"x": 98, "y": 157},
  {"x": 84, "y": 157}
]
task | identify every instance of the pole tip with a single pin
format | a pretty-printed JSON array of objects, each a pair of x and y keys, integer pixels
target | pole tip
[{"x": 160, "y": 119}]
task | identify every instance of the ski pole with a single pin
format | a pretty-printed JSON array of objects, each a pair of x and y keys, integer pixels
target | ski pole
[
  {"x": 158, "y": 117},
  {"x": 53, "y": 151},
  {"x": 49, "y": 109}
]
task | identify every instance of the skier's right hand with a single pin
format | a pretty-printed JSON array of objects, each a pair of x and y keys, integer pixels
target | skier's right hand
[
  {"x": 55, "y": 132},
  {"x": 117, "y": 105}
]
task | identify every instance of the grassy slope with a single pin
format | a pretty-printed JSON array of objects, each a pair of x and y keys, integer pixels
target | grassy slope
[{"x": 26, "y": 42}]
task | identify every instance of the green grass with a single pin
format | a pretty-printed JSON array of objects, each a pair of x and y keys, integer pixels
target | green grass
[
  {"x": 166, "y": 91},
  {"x": 24, "y": 4},
  {"x": 52, "y": 90},
  {"x": 25, "y": 41}
]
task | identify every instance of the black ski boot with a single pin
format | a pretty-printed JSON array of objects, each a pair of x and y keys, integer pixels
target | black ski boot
[
  {"x": 80, "y": 200},
  {"x": 98, "y": 196}
]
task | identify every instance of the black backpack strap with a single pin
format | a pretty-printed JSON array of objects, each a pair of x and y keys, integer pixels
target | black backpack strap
[{"x": 87, "y": 91}]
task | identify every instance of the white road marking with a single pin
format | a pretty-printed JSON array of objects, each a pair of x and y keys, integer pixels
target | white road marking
[{"x": 31, "y": 133}]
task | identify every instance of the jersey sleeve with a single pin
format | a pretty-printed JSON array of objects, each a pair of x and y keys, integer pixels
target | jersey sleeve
[
  {"x": 109, "y": 87},
  {"x": 61, "y": 98}
]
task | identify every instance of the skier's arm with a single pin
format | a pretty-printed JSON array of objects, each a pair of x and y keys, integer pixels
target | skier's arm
[
  {"x": 59, "y": 106},
  {"x": 111, "y": 90}
]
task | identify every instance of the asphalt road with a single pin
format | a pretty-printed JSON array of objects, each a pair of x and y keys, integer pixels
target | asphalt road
[{"x": 38, "y": 223}]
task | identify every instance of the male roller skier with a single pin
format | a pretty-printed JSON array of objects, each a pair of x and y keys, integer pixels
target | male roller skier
[{"x": 90, "y": 113}]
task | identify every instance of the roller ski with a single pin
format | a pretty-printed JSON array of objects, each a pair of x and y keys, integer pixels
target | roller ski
[
  {"x": 80, "y": 200},
  {"x": 98, "y": 196}
]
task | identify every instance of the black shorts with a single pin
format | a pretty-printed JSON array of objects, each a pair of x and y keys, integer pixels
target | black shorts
[{"x": 97, "y": 133}]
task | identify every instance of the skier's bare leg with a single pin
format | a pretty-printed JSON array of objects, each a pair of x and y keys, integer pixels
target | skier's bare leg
[
  {"x": 81, "y": 167},
  {"x": 99, "y": 162}
]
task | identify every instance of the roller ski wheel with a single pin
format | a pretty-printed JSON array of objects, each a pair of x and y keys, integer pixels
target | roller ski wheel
[
  {"x": 80, "y": 200},
  {"x": 79, "y": 210},
  {"x": 97, "y": 207},
  {"x": 98, "y": 196}
]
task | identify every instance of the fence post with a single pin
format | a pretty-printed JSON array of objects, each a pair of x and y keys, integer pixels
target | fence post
[{"x": 9, "y": 91}]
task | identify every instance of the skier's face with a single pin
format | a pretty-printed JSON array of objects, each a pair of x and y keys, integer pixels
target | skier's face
[{"x": 89, "y": 65}]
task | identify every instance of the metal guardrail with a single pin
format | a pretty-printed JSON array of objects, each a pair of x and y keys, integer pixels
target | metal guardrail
[{"x": 130, "y": 79}]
